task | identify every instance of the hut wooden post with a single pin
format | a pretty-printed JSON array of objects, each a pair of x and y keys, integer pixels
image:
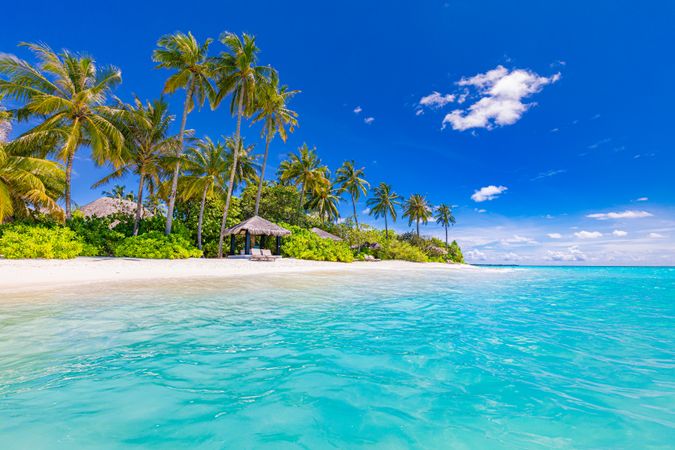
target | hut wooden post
[
  {"x": 263, "y": 241},
  {"x": 233, "y": 244},
  {"x": 247, "y": 244},
  {"x": 278, "y": 252}
]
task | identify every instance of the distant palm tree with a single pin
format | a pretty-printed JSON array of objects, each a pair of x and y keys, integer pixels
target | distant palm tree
[
  {"x": 119, "y": 191},
  {"x": 384, "y": 203},
  {"x": 68, "y": 93},
  {"x": 276, "y": 116},
  {"x": 324, "y": 200},
  {"x": 247, "y": 163},
  {"x": 148, "y": 146},
  {"x": 352, "y": 180},
  {"x": 303, "y": 169},
  {"x": 445, "y": 218},
  {"x": 416, "y": 209},
  {"x": 181, "y": 52},
  {"x": 207, "y": 167},
  {"x": 239, "y": 75}
]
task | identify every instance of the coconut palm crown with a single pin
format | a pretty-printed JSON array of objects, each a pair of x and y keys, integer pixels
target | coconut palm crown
[
  {"x": 417, "y": 209},
  {"x": 352, "y": 180},
  {"x": 445, "y": 218},
  {"x": 383, "y": 204}
]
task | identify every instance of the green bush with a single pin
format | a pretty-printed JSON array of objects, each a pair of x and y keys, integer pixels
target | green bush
[
  {"x": 455, "y": 253},
  {"x": 156, "y": 245},
  {"x": 303, "y": 244},
  {"x": 97, "y": 237},
  {"x": 23, "y": 241},
  {"x": 397, "y": 249}
]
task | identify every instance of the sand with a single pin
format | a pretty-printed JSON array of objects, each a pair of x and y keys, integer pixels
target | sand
[{"x": 42, "y": 274}]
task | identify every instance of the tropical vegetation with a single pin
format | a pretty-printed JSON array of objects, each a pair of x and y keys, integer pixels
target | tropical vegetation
[{"x": 188, "y": 188}]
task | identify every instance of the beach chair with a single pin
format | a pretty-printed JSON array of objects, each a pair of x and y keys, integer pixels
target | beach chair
[{"x": 262, "y": 255}]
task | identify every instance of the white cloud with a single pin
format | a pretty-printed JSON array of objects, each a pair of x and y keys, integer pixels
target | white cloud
[
  {"x": 480, "y": 211},
  {"x": 656, "y": 236},
  {"x": 628, "y": 214},
  {"x": 366, "y": 211},
  {"x": 512, "y": 257},
  {"x": 488, "y": 193},
  {"x": 547, "y": 174},
  {"x": 554, "y": 235},
  {"x": 502, "y": 93},
  {"x": 476, "y": 255},
  {"x": 436, "y": 100},
  {"x": 369, "y": 120},
  {"x": 419, "y": 112},
  {"x": 642, "y": 199},
  {"x": 573, "y": 253},
  {"x": 583, "y": 234},
  {"x": 518, "y": 240},
  {"x": 619, "y": 233},
  {"x": 357, "y": 110}
]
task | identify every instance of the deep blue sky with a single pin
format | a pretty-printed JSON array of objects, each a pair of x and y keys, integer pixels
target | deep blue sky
[{"x": 593, "y": 141}]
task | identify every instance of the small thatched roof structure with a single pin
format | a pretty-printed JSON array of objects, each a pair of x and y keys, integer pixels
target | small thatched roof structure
[
  {"x": 325, "y": 234},
  {"x": 106, "y": 206},
  {"x": 257, "y": 226}
]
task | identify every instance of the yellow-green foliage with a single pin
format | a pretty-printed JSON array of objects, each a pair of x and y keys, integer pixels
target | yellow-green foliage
[
  {"x": 155, "y": 245},
  {"x": 40, "y": 242},
  {"x": 396, "y": 249},
  {"x": 303, "y": 244}
]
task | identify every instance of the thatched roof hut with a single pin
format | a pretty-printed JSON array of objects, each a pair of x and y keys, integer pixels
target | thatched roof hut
[
  {"x": 106, "y": 206},
  {"x": 325, "y": 234},
  {"x": 257, "y": 226}
]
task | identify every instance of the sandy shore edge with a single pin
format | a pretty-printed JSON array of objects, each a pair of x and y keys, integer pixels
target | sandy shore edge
[{"x": 20, "y": 276}]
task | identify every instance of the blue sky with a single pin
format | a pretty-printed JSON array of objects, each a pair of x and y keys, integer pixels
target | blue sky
[{"x": 547, "y": 124}]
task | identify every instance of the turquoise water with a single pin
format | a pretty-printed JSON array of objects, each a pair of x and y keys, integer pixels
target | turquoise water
[{"x": 493, "y": 358}]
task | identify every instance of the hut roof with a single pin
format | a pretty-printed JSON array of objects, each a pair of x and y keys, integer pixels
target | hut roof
[
  {"x": 325, "y": 234},
  {"x": 258, "y": 226},
  {"x": 106, "y": 206}
]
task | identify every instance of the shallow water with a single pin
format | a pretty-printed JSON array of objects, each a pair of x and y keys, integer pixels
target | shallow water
[{"x": 493, "y": 358}]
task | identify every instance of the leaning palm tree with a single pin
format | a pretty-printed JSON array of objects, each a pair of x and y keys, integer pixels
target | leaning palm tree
[
  {"x": 324, "y": 200},
  {"x": 247, "y": 163},
  {"x": 194, "y": 69},
  {"x": 148, "y": 145},
  {"x": 206, "y": 169},
  {"x": 352, "y": 180},
  {"x": 67, "y": 92},
  {"x": 303, "y": 169},
  {"x": 26, "y": 181},
  {"x": 238, "y": 74},
  {"x": 384, "y": 203},
  {"x": 417, "y": 209},
  {"x": 445, "y": 218},
  {"x": 276, "y": 116}
]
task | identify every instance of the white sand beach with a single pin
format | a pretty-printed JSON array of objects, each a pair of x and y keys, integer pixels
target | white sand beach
[{"x": 42, "y": 274}]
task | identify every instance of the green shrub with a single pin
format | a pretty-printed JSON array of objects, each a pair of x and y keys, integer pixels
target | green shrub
[
  {"x": 97, "y": 237},
  {"x": 155, "y": 245},
  {"x": 23, "y": 241},
  {"x": 397, "y": 249},
  {"x": 455, "y": 253},
  {"x": 303, "y": 244}
]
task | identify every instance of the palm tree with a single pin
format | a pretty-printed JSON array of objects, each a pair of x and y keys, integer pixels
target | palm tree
[
  {"x": 183, "y": 53},
  {"x": 416, "y": 209},
  {"x": 276, "y": 116},
  {"x": 324, "y": 200},
  {"x": 68, "y": 92},
  {"x": 303, "y": 169},
  {"x": 352, "y": 180},
  {"x": 247, "y": 163},
  {"x": 384, "y": 203},
  {"x": 238, "y": 75},
  {"x": 207, "y": 167},
  {"x": 148, "y": 145},
  {"x": 26, "y": 181},
  {"x": 445, "y": 218},
  {"x": 119, "y": 191}
]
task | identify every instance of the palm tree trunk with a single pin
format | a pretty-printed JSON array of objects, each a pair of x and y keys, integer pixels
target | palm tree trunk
[
  {"x": 302, "y": 197},
  {"x": 386, "y": 228},
  {"x": 201, "y": 217},
  {"x": 139, "y": 203},
  {"x": 446, "y": 238},
  {"x": 176, "y": 171},
  {"x": 69, "y": 177},
  {"x": 356, "y": 219},
  {"x": 262, "y": 173},
  {"x": 418, "y": 227},
  {"x": 237, "y": 138}
]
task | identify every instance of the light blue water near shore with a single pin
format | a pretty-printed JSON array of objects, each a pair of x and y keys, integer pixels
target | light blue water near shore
[{"x": 500, "y": 358}]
